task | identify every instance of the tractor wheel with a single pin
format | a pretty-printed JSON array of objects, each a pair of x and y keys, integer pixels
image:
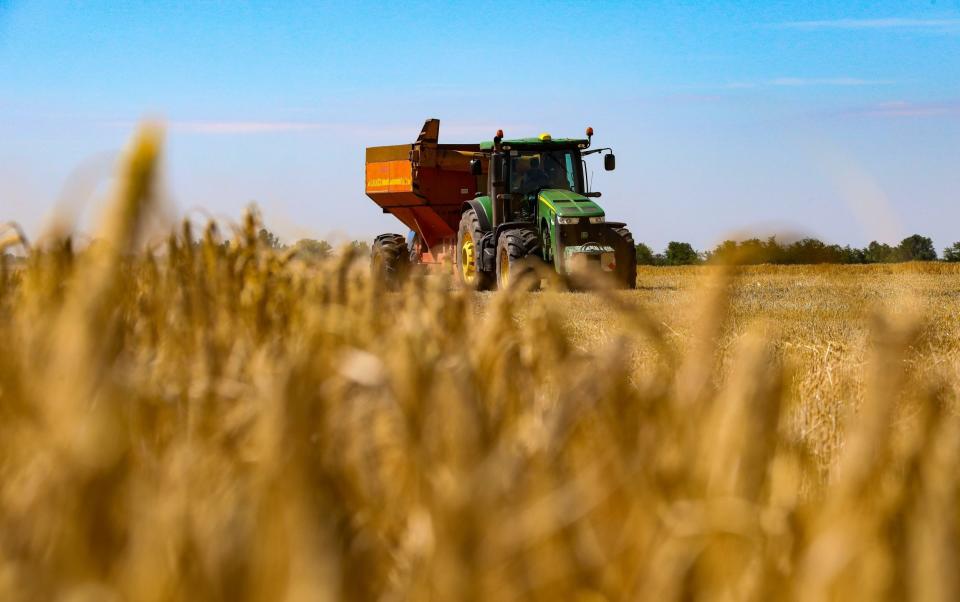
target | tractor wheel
[
  {"x": 390, "y": 260},
  {"x": 627, "y": 271},
  {"x": 468, "y": 251},
  {"x": 517, "y": 250}
]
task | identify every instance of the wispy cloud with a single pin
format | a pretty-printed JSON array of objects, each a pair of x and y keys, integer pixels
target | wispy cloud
[
  {"x": 232, "y": 127},
  {"x": 903, "y": 108},
  {"x": 256, "y": 127},
  {"x": 862, "y": 24},
  {"x": 244, "y": 127},
  {"x": 797, "y": 82},
  {"x": 828, "y": 81}
]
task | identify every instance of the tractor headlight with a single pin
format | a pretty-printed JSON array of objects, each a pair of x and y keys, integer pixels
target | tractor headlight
[
  {"x": 568, "y": 220},
  {"x": 597, "y": 220}
]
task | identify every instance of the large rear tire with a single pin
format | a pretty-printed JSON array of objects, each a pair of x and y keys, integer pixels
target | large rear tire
[
  {"x": 390, "y": 260},
  {"x": 468, "y": 253},
  {"x": 627, "y": 266},
  {"x": 517, "y": 250}
]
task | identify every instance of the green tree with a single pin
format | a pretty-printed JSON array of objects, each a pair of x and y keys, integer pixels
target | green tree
[
  {"x": 765, "y": 251},
  {"x": 313, "y": 249},
  {"x": 916, "y": 248},
  {"x": 850, "y": 254},
  {"x": 811, "y": 250},
  {"x": 753, "y": 251},
  {"x": 362, "y": 247},
  {"x": 952, "y": 253},
  {"x": 879, "y": 252},
  {"x": 774, "y": 252},
  {"x": 807, "y": 250},
  {"x": 644, "y": 254},
  {"x": 269, "y": 239},
  {"x": 725, "y": 252},
  {"x": 681, "y": 253}
]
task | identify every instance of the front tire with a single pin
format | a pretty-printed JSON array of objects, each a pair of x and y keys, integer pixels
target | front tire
[
  {"x": 468, "y": 253},
  {"x": 390, "y": 260},
  {"x": 517, "y": 250},
  {"x": 627, "y": 266}
]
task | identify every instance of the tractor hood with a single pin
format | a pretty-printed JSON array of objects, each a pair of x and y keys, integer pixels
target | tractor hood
[{"x": 569, "y": 204}]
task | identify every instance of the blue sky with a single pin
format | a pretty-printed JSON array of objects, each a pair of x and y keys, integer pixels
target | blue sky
[{"x": 839, "y": 120}]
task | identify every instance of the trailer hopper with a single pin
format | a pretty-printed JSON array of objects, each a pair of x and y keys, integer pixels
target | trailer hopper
[{"x": 424, "y": 184}]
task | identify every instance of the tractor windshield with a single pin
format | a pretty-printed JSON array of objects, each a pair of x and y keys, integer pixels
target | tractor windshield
[{"x": 532, "y": 170}]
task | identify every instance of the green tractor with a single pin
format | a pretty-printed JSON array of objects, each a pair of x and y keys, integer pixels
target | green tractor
[
  {"x": 505, "y": 210},
  {"x": 539, "y": 209}
]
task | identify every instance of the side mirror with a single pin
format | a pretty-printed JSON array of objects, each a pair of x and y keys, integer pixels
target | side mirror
[
  {"x": 609, "y": 162},
  {"x": 476, "y": 167}
]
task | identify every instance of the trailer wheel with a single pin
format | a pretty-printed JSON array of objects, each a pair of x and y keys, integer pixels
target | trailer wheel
[
  {"x": 627, "y": 270},
  {"x": 468, "y": 252},
  {"x": 517, "y": 252},
  {"x": 390, "y": 260}
]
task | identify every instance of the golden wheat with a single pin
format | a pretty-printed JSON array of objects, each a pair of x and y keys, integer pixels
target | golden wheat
[{"x": 225, "y": 422}]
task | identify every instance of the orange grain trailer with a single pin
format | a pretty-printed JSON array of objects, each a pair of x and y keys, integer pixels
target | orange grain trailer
[{"x": 424, "y": 185}]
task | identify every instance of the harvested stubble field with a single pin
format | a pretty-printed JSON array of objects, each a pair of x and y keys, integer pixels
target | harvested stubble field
[
  {"x": 819, "y": 319},
  {"x": 225, "y": 422}
]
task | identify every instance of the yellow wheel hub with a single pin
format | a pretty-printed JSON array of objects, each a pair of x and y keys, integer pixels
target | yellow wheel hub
[
  {"x": 468, "y": 259},
  {"x": 504, "y": 270}
]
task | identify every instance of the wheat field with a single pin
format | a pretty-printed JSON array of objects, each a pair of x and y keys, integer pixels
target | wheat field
[{"x": 210, "y": 421}]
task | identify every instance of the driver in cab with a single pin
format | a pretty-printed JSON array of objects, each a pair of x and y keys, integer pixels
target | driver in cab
[
  {"x": 557, "y": 176},
  {"x": 534, "y": 178}
]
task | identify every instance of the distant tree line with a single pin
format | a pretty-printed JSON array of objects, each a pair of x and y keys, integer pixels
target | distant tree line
[
  {"x": 804, "y": 251},
  {"x": 309, "y": 248},
  {"x": 750, "y": 252}
]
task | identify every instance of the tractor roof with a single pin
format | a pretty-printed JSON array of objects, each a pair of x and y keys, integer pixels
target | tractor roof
[{"x": 536, "y": 143}]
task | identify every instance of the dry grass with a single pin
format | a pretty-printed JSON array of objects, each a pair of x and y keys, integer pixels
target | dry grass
[
  {"x": 819, "y": 320},
  {"x": 213, "y": 423}
]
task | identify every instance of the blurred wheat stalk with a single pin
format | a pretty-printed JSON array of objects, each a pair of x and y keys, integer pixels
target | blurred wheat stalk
[{"x": 223, "y": 422}]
